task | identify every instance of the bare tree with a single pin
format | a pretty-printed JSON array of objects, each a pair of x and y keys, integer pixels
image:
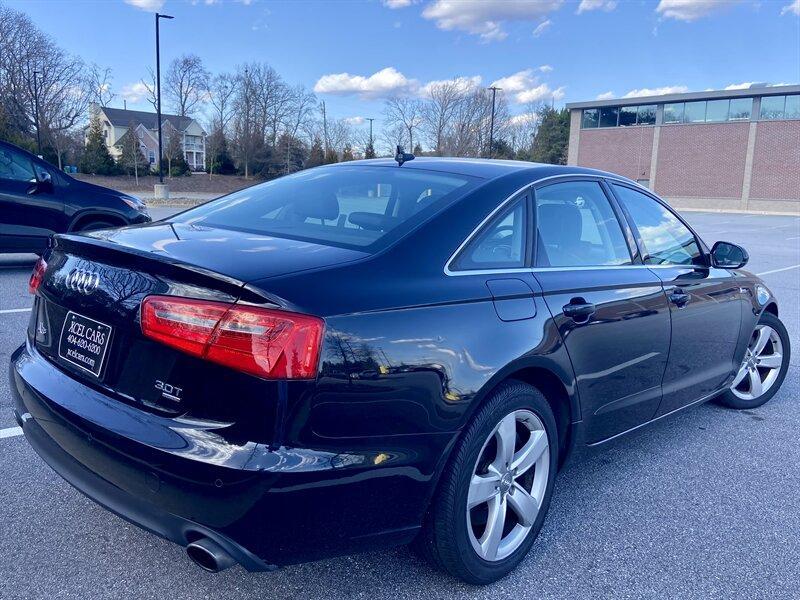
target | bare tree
[
  {"x": 152, "y": 88},
  {"x": 187, "y": 83},
  {"x": 406, "y": 112},
  {"x": 221, "y": 97},
  {"x": 443, "y": 99},
  {"x": 41, "y": 87},
  {"x": 99, "y": 85}
]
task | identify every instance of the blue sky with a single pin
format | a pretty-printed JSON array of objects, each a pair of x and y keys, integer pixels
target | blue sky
[{"x": 357, "y": 52}]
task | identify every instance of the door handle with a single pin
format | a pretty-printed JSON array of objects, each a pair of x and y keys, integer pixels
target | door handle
[
  {"x": 579, "y": 310},
  {"x": 679, "y": 298}
]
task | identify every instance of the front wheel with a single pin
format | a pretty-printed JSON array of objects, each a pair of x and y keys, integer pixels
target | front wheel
[
  {"x": 763, "y": 368},
  {"x": 496, "y": 490}
]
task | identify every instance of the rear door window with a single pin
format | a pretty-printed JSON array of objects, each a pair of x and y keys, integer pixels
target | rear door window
[
  {"x": 360, "y": 207},
  {"x": 577, "y": 227}
]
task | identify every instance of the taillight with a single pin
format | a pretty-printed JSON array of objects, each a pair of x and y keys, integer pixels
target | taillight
[
  {"x": 268, "y": 343},
  {"x": 38, "y": 274}
]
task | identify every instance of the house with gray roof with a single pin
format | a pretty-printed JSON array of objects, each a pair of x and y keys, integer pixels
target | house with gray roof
[{"x": 115, "y": 122}]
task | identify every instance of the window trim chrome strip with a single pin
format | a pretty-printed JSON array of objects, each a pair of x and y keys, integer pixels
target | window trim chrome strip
[{"x": 450, "y": 273}]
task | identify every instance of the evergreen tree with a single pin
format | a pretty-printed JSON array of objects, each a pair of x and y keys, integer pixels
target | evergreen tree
[
  {"x": 219, "y": 158},
  {"x": 331, "y": 156},
  {"x": 132, "y": 161},
  {"x": 347, "y": 153},
  {"x": 96, "y": 159},
  {"x": 369, "y": 151},
  {"x": 552, "y": 138},
  {"x": 316, "y": 155},
  {"x": 417, "y": 150}
]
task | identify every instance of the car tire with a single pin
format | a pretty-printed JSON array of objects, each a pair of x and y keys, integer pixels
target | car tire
[
  {"x": 740, "y": 395},
  {"x": 451, "y": 530},
  {"x": 98, "y": 224}
]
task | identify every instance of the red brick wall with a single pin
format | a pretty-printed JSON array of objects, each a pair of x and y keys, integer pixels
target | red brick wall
[
  {"x": 702, "y": 161},
  {"x": 622, "y": 150},
  {"x": 776, "y": 161}
]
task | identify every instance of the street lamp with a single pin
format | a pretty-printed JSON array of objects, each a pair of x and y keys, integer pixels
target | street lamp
[
  {"x": 36, "y": 108},
  {"x": 494, "y": 89},
  {"x": 158, "y": 97}
]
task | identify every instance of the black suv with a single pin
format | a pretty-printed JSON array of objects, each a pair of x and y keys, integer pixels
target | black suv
[{"x": 37, "y": 200}]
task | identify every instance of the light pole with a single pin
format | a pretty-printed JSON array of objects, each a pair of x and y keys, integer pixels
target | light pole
[
  {"x": 491, "y": 121},
  {"x": 158, "y": 96},
  {"x": 36, "y": 109},
  {"x": 371, "y": 145}
]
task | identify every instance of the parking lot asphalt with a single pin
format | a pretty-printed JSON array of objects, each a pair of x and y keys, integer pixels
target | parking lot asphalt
[{"x": 705, "y": 504}]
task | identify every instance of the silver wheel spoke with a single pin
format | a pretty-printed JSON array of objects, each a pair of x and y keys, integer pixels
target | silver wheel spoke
[
  {"x": 530, "y": 452},
  {"x": 740, "y": 375},
  {"x": 772, "y": 361},
  {"x": 490, "y": 540},
  {"x": 762, "y": 337},
  {"x": 506, "y": 439},
  {"x": 524, "y": 505},
  {"x": 482, "y": 488},
  {"x": 755, "y": 383}
]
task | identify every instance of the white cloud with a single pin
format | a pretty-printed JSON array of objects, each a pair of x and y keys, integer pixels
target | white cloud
[
  {"x": 794, "y": 7},
  {"x": 354, "y": 120},
  {"x": 669, "y": 89},
  {"x": 542, "y": 27},
  {"x": 485, "y": 17},
  {"x": 739, "y": 86},
  {"x": 148, "y": 5},
  {"x": 134, "y": 92},
  {"x": 523, "y": 119},
  {"x": 393, "y": 4},
  {"x": 386, "y": 82},
  {"x": 606, "y": 96},
  {"x": 691, "y": 10},
  {"x": 466, "y": 84},
  {"x": 606, "y": 5},
  {"x": 523, "y": 87},
  {"x": 545, "y": 68}
]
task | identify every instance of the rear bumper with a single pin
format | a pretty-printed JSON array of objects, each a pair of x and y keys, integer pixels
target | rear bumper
[
  {"x": 264, "y": 506},
  {"x": 139, "y": 512}
]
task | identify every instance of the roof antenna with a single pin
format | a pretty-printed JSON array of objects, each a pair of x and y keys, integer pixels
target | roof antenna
[{"x": 401, "y": 156}]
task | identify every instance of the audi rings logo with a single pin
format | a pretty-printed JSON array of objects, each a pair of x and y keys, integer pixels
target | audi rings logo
[{"x": 82, "y": 281}]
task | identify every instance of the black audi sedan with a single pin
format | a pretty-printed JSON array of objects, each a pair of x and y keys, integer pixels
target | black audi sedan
[
  {"x": 372, "y": 353},
  {"x": 38, "y": 200}
]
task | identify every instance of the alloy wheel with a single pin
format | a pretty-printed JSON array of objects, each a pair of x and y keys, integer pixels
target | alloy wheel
[
  {"x": 761, "y": 365},
  {"x": 508, "y": 485}
]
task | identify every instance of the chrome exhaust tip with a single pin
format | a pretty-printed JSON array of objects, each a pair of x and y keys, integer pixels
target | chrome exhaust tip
[{"x": 209, "y": 556}]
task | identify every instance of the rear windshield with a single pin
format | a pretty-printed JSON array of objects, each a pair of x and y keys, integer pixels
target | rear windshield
[{"x": 360, "y": 207}]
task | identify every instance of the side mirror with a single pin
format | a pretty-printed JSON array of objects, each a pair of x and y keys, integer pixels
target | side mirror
[
  {"x": 728, "y": 256},
  {"x": 44, "y": 184}
]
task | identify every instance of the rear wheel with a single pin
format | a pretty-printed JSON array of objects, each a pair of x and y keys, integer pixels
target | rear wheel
[
  {"x": 495, "y": 492},
  {"x": 763, "y": 368}
]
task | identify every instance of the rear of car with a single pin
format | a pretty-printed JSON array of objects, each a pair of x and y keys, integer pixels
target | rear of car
[{"x": 156, "y": 379}]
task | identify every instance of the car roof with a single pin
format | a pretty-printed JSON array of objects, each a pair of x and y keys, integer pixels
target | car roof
[{"x": 482, "y": 168}]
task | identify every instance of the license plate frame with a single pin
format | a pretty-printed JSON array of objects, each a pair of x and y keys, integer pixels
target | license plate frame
[{"x": 88, "y": 348}]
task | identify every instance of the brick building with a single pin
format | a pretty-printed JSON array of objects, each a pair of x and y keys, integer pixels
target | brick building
[{"x": 726, "y": 149}]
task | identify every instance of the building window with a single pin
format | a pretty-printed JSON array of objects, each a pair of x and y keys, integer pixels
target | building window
[
  {"x": 627, "y": 116},
  {"x": 590, "y": 118},
  {"x": 151, "y": 156},
  {"x": 609, "y": 116},
  {"x": 694, "y": 112},
  {"x": 780, "y": 107},
  {"x": 673, "y": 113},
  {"x": 717, "y": 110},
  {"x": 647, "y": 115},
  {"x": 740, "y": 109}
]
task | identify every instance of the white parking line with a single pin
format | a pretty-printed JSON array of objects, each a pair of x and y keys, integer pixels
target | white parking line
[
  {"x": 8, "y": 311},
  {"x": 10, "y": 432},
  {"x": 778, "y": 270}
]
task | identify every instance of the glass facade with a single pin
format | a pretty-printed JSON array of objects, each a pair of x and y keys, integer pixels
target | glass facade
[
  {"x": 700, "y": 111},
  {"x": 780, "y": 107}
]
